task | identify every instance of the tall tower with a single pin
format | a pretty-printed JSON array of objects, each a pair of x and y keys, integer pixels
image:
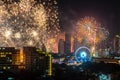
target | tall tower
[
  {"x": 43, "y": 48},
  {"x": 67, "y": 42},
  {"x": 117, "y": 44},
  {"x": 76, "y": 44},
  {"x": 61, "y": 45}
]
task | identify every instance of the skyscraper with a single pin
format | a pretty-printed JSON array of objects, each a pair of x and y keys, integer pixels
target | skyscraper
[
  {"x": 61, "y": 46},
  {"x": 76, "y": 44},
  {"x": 37, "y": 60},
  {"x": 7, "y": 57},
  {"x": 67, "y": 42},
  {"x": 117, "y": 44}
]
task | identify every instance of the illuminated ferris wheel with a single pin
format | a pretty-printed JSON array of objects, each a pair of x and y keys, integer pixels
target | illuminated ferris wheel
[{"x": 82, "y": 54}]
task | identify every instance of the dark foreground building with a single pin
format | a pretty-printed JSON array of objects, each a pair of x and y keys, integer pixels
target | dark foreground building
[
  {"x": 7, "y": 58},
  {"x": 30, "y": 59},
  {"x": 36, "y": 60}
]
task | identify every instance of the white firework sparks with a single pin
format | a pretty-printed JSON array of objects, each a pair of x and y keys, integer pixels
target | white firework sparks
[{"x": 27, "y": 23}]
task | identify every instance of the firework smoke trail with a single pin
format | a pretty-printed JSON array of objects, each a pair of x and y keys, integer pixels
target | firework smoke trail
[
  {"x": 89, "y": 30},
  {"x": 29, "y": 23}
]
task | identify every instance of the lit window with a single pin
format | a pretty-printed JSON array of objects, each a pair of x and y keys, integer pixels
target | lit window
[
  {"x": 8, "y": 67},
  {"x": 3, "y": 48},
  {"x": 10, "y": 78},
  {"x": 4, "y": 67},
  {"x": 10, "y": 53},
  {"x": 10, "y": 60},
  {"x": 3, "y": 56}
]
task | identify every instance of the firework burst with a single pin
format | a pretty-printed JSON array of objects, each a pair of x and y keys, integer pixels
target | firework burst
[
  {"x": 89, "y": 32},
  {"x": 27, "y": 23}
]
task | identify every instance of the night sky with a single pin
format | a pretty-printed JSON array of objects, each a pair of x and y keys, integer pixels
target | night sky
[{"x": 106, "y": 12}]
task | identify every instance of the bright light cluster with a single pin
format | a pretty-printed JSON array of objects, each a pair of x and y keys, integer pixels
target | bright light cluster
[
  {"x": 82, "y": 54},
  {"x": 29, "y": 23},
  {"x": 104, "y": 77},
  {"x": 89, "y": 32}
]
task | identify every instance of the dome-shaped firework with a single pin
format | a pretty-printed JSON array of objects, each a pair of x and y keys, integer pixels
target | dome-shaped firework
[{"x": 90, "y": 30}]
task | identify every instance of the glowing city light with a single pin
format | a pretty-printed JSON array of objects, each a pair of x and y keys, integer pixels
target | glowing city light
[
  {"x": 104, "y": 77},
  {"x": 83, "y": 54},
  {"x": 21, "y": 56}
]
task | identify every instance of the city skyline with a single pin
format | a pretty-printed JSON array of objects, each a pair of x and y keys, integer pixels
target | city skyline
[{"x": 59, "y": 39}]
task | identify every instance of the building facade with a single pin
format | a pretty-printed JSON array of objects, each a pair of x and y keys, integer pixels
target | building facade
[
  {"x": 36, "y": 60},
  {"x": 67, "y": 43},
  {"x": 61, "y": 46},
  {"x": 117, "y": 45},
  {"x": 7, "y": 61},
  {"x": 28, "y": 59}
]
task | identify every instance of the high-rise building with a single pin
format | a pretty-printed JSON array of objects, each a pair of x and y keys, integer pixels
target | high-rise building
[
  {"x": 7, "y": 57},
  {"x": 36, "y": 60},
  {"x": 29, "y": 59},
  {"x": 43, "y": 48},
  {"x": 117, "y": 44},
  {"x": 16, "y": 57},
  {"x": 76, "y": 44},
  {"x": 61, "y": 45},
  {"x": 67, "y": 42}
]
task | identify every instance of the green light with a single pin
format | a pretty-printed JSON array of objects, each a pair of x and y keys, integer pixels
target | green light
[{"x": 10, "y": 78}]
